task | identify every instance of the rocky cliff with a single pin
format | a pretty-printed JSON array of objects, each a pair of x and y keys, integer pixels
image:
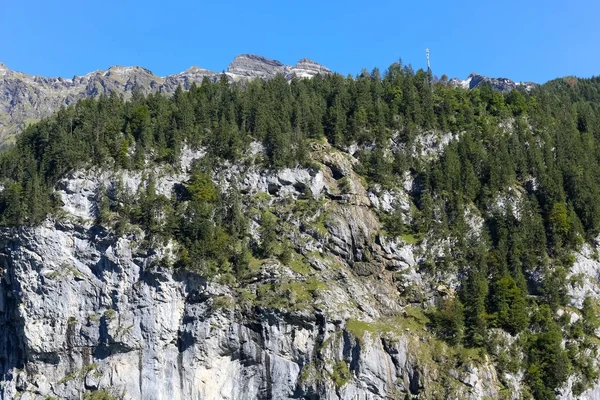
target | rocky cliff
[
  {"x": 214, "y": 244},
  {"x": 84, "y": 311},
  {"x": 25, "y": 99}
]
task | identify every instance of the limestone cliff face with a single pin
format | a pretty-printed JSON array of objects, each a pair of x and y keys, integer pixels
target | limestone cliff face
[
  {"x": 112, "y": 321},
  {"x": 83, "y": 310}
]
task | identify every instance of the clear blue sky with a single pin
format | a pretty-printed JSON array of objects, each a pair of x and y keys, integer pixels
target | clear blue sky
[{"x": 523, "y": 40}]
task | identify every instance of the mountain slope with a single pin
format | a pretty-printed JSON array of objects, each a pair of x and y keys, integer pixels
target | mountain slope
[
  {"x": 25, "y": 99},
  {"x": 374, "y": 237},
  {"x": 103, "y": 312}
]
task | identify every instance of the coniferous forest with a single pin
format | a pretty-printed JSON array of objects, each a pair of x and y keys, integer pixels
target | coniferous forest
[{"x": 542, "y": 144}]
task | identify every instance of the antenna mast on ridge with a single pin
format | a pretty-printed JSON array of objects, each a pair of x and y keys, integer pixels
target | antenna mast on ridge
[{"x": 429, "y": 74}]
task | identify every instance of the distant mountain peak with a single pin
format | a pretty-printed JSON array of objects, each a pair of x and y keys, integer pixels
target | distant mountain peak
[
  {"x": 26, "y": 98},
  {"x": 195, "y": 69},
  {"x": 256, "y": 58},
  {"x": 475, "y": 80},
  {"x": 307, "y": 61},
  {"x": 3, "y": 69},
  {"x": 252, "y": 65},
  {"x": 309, "y": 65},
  {"x": 124, "y": 70}
]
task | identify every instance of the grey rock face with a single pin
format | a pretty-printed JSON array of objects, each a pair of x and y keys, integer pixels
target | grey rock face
[
  {"x": 83, "y": 310},
  {"x": 309, "y": 68},
  {"x": 188, "y": 77},
  {"x": 585, "y": 274},
  {"x": 252, "y": 66},
  {"x": 502, "y": 84},
  {"x": 255, "y": 66}
]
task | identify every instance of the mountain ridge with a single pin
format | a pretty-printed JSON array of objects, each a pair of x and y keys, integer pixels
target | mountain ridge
[
  {"x": 475, "y": 80},
  {"x": 254, "y": 59},
  {"x": 25, "y": 98}
]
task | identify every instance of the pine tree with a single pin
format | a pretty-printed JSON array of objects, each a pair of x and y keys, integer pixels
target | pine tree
[{"x": 473, "y": 297}]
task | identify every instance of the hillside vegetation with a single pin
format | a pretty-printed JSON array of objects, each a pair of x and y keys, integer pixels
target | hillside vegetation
[{"x": 527, "y": 164}]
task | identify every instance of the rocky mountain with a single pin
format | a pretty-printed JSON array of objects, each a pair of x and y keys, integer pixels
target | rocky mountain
[
  {"x": 256, "y": 242},
  {"x": 248, "y": 65},
  {"x": 85, "y": 311},
  {"x": 25, "y": 99},
  {"x": 502, "y": 84}
]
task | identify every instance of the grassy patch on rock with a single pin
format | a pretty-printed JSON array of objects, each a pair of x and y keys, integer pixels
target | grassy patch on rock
[
  {"x": 296, "y": 295},
  {"x": 341, "y": 374}
]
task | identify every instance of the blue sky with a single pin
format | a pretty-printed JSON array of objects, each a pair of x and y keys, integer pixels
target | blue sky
[{"x": 523, "y": 40}]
